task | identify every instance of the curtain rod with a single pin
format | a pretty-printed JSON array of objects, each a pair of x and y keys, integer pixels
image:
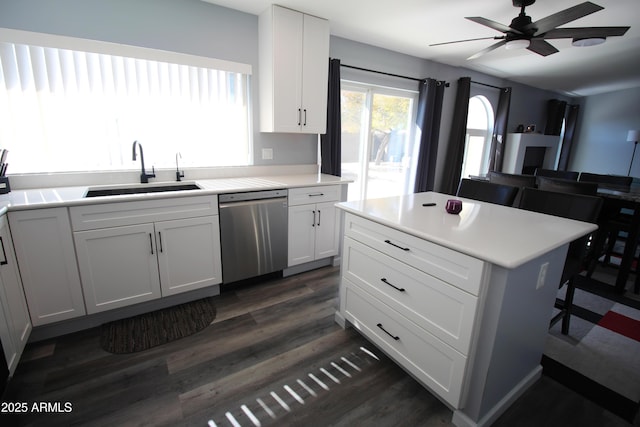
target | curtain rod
[
  {"x": 488, "y": 85},
  {"x": 386, "y": 74}
]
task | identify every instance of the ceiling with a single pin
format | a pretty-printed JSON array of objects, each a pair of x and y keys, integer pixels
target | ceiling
[{"x": 410, "y": 26}]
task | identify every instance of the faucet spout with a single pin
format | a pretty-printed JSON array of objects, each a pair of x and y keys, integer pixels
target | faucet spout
[
  {"x": 179, "y": 175},
  {"x": 144, "y": 176}
]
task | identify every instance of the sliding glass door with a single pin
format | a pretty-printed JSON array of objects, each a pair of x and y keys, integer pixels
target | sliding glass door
[{"x": 377, "y": 140}]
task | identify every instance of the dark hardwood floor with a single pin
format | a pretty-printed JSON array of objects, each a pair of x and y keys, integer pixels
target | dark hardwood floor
[{"x": 273, "y": 356}]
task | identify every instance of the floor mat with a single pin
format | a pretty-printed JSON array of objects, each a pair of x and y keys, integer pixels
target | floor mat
[
  {"x": 158, "y": 327},
  {"x": 599, "y": 359}
]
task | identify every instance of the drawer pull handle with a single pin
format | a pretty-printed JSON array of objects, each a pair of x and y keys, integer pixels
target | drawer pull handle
[
  {"x": 393, "y": 244},
  {"x": 385, "y": 281},
  {"x": 4, "y": 254},
  {"x": 387, "y": 332},
  {"x": 316, "y": 194}
]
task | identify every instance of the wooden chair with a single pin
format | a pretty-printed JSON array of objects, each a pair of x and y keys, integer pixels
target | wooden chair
[
  {"x": 573, "y": 206},
  {"x": 551, "y": 173},
  {"x": 567, "y": 186},
  {"x": 486, "y": 191}
]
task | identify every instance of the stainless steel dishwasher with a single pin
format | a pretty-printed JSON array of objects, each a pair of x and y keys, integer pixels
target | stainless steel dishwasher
[{"x": 253, "y": 233}]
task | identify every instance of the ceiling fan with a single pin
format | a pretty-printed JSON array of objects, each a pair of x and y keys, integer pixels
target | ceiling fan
[{"x": 523, "y": 33}]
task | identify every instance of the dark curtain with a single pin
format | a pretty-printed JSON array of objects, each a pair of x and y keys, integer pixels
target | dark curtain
[
  {"x": 555, "y": 116},
  {"x": 428, "y": 121},
  {"x": 330, "y": 142},
  {"x": 569, "y": 132},
  {"x": 500, "y": 130},
  {"x": 455, "y": 149}
]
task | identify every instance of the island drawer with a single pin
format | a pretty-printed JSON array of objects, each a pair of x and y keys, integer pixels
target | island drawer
[
  {"x": 452, "y": 267},
  {"x": 91, "y": 217},
  {"x": 309, "y": 195},
  {"x": 444, "y": 310},
  {"x": 435, "y": 364}
]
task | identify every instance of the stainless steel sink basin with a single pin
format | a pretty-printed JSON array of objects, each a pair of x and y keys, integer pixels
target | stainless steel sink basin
[{"x": 139, "y": 189}]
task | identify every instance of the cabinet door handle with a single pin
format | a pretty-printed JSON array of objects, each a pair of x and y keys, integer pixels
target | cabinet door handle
[
  {"x": 160, "y": 239},
  {"x": 387, "y": 332},
  {"x": 399, "y": 247},
  {"x": 299, "y": 116},
  {"x": 4, "y": 254},
  {"x": 305, "y": 117},
  {"x": 385, "y": 281},
  {"x": 151, "y": 242},
  {"x": 319, "y": 211},
  {"x": 313, "y": 224}
]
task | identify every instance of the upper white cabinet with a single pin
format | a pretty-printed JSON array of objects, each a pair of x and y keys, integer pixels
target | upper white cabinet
[
  {"x": 47, "y": 260},
  {"x": 15, "y": 324},
  {"x": 294, "y": 64}
]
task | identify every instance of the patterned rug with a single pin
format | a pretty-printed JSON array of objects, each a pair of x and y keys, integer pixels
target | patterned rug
[
  {"x": 600, "y": 358},
  {"x": 159, "y": 327}
]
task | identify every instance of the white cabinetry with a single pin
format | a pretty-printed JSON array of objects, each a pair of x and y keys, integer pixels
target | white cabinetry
[
  {"x": 313, "y": 223},
  {"x": 414, "y": 299},
  {"x": 15, "y": 324},
  {"x": 47, "y": 260},
  {"x": 294, "y": 63},
  {"x": 138, "y": 251}
]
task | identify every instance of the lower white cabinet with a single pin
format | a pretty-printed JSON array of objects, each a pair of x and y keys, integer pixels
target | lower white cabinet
[
  {"x": 313, "y": 224},
  {"x": 15, "y": 324},
  {"x": 120, "y": 266},
  {"x": 44, "y": 248}
]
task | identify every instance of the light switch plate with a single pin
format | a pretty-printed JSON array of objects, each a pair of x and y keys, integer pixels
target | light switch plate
[{"x": 267, "y": 154}]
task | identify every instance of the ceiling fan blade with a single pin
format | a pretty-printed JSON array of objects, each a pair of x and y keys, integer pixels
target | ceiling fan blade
[
  {"x": 492, "y": 24},
  {"x": 576, "y": 12},
  {"x": 584, "y": 32},
  {"x": 541, "y": 47},
  {"x": 468, "y": 40},
  {"x": 487, "y": 50}
]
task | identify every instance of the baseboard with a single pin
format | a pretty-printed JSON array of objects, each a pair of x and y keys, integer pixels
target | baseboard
[{"x": 460, "y": 419}]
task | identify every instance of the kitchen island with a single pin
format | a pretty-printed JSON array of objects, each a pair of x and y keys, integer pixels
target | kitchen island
[{"x": 461, "y": 302}]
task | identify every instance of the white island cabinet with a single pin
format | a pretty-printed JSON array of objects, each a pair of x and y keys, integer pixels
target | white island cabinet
[
  {"x": 133, "y": 252},
  {"x": 294, "y": 64},
  {"x": 47, "y": 260},
  {"x": 462, "y": 302}
]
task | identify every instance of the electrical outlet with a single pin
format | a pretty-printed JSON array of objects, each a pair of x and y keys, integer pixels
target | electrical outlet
[
  {"x": 542, "y": 275},
  {"x": 267, "y": 154}
]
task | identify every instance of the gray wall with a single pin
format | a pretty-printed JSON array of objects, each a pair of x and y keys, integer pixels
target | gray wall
[
  {"x": 604, "y": 121},
  {"x": 186, "y": 26},
  {"x": 199, "y": 28}
]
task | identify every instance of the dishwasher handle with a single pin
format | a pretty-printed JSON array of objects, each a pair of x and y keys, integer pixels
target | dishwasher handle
[{"x": 252, "y": 202}]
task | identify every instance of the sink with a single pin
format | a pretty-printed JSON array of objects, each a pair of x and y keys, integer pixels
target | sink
[{"x": 139, "y": 189}]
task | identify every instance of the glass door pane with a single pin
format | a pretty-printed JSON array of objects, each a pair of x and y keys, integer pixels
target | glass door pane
[{"x": 377, "y": 141}]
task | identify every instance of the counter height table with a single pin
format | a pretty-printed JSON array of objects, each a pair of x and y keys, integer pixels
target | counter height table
[{"x": 461, "y": 302}]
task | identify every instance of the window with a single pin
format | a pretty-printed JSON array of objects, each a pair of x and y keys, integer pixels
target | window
[
  {"x": 478, "y": 141},
  {"x": 79, "y": 107},
  {"x": 377, "y": 140}
]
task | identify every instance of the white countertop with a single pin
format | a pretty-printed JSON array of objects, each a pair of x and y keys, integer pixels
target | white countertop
[
  {"x": 501, "y": 235},
  {"x": 72, "y": 196}
]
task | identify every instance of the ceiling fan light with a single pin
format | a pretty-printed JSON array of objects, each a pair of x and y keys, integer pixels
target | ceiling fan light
[
  {"x": 517, "y": 44},
  {"x": 590, "y": 41}
]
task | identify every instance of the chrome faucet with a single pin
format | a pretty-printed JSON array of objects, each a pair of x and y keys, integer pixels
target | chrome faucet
[
  {"x": 179, "y": 174},
  {"x": 144, "y": 176}
]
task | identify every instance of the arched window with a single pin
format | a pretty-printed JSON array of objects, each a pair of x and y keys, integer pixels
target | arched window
[{"x": 478, "y": 142}]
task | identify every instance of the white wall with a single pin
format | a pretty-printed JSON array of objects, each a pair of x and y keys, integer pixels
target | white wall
[{"x": 601, "y": 142}]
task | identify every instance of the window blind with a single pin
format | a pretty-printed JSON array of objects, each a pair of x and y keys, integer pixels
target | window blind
[{"x": 69, "y": 110}]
